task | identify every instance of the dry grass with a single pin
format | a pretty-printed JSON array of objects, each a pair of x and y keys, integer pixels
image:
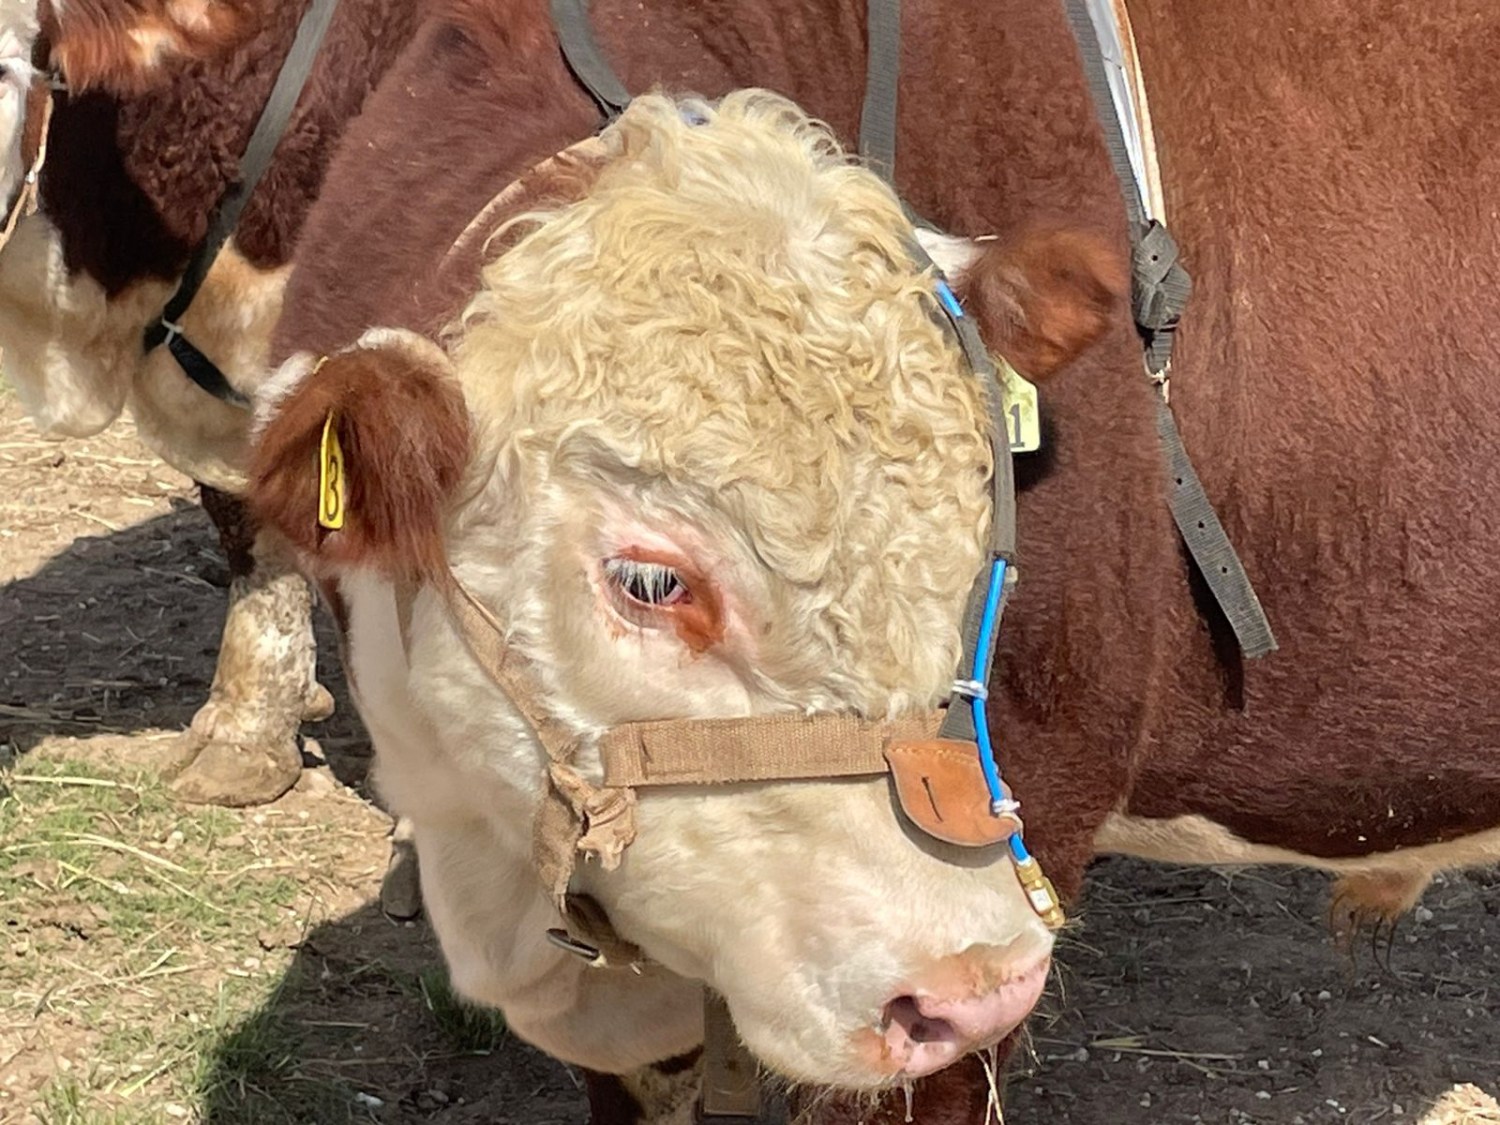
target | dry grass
[
  {"x": 148, "y": 944},
  {"x": 1464, "y": 1105}
]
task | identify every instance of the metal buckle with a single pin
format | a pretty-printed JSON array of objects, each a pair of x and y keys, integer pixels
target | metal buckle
[{"x": 570, "y": 944}]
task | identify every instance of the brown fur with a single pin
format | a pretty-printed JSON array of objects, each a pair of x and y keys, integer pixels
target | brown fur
[
  {"x": 1345, "y": 429},
  {"x": 235, "y": 527},
  {"x": 118, "y": 44},
  {"x": 1334, "y": 399},
  {"x": 133, "y": 177},
  {"x": 404, "y": 431}
]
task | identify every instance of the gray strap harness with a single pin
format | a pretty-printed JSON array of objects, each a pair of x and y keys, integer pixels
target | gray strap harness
[
  {"x": 167, "y": 327},
  {"x": 1160, "y": 287}
]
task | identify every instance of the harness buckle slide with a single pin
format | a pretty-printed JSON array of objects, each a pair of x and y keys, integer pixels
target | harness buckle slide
[
  {"x": 570, "y": 944},
  {"x": 971, "y": 689}
]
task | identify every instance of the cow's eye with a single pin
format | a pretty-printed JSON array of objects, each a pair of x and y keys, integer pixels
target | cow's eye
[{"x": 646, "y": 583}]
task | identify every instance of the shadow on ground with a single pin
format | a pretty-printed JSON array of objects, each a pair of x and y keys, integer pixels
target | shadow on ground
[
  {"x": 118, "y": 634},
  {"x": 1184, "y": 997},
  {"x": 364, "y": 1028}
]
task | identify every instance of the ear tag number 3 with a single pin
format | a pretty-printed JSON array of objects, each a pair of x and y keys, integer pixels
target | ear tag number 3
[
  {"x": 330, "y": 477},
  {"x": 1023, "y": 418}
]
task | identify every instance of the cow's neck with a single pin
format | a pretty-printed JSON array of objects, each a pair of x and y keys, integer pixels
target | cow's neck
[{"x": 132, "y": 180}]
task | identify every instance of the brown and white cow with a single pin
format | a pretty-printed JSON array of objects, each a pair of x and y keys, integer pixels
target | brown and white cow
[
  {"x": 1334, "y": 398},
  {"x": 161, "y": 97},
  {"x": 701, "y": 444}
]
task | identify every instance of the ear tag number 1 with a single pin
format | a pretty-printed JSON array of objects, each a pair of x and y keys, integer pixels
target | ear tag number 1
[
  {"x": 1023, "y": 417},
  {"x": 330, "y": 477}
]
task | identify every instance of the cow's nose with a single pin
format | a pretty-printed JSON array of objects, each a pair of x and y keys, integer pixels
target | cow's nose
[{"x": 928, "y": 1028}]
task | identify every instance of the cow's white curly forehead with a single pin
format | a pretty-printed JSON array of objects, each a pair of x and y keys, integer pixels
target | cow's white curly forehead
[{"x": 731, "y": 313}]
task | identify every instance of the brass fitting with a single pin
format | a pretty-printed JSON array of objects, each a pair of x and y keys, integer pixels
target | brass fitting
[{"x": 1042, "y": 894}]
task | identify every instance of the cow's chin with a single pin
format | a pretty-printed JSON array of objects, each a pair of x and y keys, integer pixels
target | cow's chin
[
  {"x": 850, "y": 955},
  {"x": 891, "y": 1044}
]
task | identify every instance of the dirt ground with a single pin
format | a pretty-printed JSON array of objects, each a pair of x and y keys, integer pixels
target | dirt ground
[{"x": 162, "y": 964}]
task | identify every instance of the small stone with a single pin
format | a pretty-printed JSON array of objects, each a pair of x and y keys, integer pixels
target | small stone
[
  {"x": 1145, "y": 1101},
  {"x": 1325, "y": 995},
  {"x": 1422, "y": 914},
  {"x": 316, "y": 783},
  {"x": 1263, "y": 1095}
]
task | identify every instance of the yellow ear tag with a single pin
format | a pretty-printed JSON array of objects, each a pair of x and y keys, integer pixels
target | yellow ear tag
[
  {"x": 330, "y": 477},
  {"x": 1023, "y": 417}
]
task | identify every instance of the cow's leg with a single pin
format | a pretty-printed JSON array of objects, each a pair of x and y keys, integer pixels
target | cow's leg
[
  {"x": 243, "y": 741},
  {"x": 401, "y": 889},
  {"x": 664, "y": 1093}
]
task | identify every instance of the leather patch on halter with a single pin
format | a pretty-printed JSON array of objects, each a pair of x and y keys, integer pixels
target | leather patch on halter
[{"x": 941, "y": 787}]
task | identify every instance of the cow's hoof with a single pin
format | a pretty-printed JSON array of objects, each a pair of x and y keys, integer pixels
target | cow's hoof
[
  {"x": 318, "y": 706},
  {"x": 235, "y": 776},
  {"x": 1369, "y": 904},
  {"x": 180, "y": 753},
  {"x": 401, "y": 889}
]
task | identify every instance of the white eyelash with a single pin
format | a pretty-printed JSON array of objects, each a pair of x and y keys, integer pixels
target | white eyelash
[{"x": 651, "y": 583}]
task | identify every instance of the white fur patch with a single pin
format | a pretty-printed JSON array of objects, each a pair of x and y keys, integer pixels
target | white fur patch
[
  {"x": 17, "y": 32},
  {"x": 952, "y": 254},
  {"x": 1198, "y": 840},
  {"x": 75, "y": 358}
]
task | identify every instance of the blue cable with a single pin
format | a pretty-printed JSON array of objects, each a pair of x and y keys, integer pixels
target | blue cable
[
  {"x": 976, "y": 702},
  {"x": 949, "y": 300}
]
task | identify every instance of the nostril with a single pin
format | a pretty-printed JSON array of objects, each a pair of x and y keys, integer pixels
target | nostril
[{"x": 905, "y": 1015}]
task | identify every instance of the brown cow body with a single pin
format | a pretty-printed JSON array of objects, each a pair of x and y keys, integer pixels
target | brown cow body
[
  {"x": 1330, "y": 390},
  {"x": 141, "y": 148}
]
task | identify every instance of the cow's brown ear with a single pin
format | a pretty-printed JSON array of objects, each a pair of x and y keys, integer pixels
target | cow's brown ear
[
  {"x": 358, "y": 456},
  {"x": 118, "y": 45},
  {"x": 1042, "y": 298}
]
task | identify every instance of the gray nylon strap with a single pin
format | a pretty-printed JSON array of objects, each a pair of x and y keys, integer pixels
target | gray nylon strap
[
  {"x": 877, "y": 120},
  {"x": 1087, "y": 40},
  {"x": 266, "y": 135},
  {"x": 1209, "y": 544},
  {"x": 585, "y": 59},
  {"x": 731, "y": 1076},
  {"x": 1160, "y": 289},
  {"x": 1159, "y": 292}
]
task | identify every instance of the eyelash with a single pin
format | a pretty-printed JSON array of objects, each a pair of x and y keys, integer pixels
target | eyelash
[{"x": 646, "y": 583}]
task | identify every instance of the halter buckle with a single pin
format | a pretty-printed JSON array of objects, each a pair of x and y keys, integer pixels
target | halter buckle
[{"x": 570, "y": 944}]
